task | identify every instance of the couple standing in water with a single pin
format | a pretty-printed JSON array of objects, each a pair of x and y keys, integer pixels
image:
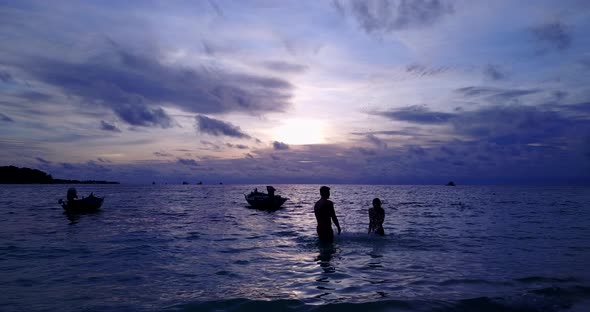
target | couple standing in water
[{"x": 325, "y": 214}]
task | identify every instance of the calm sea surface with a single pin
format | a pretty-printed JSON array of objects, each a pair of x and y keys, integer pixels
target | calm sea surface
[{"x": 200, "y": 248}]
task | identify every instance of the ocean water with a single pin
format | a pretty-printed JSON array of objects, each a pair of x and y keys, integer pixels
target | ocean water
[{"x": 200, "y": 248}]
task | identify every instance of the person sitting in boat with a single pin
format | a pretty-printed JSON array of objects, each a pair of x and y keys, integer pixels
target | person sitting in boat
[
  {"x": 72, "y": 194},
  {"x": 376, "y": 218}
]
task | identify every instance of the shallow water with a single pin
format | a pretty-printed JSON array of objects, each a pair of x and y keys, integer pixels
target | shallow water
[{"x": 200, "y": 248}]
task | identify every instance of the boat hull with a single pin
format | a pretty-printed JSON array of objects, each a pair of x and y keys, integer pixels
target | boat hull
[
  {"x": 266, "y": 203},
  {"x": 88, "y": 204}
]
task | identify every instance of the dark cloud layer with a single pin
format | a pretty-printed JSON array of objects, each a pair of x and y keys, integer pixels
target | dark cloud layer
[
  {"x": 416, "y": 114},
  {"x": 43, "y": 161},
  {"x": 162, "y": 154},
  {"x": 390, "y": 15},
  {"x": 238, "y": 146},
  {"x": 423, "y": 70},
  {"x": 136, "y": 86},
  {"x": 218, "y": 128},
  {"x": 5, "y": 118},
  {"x": 494, "y": 72},
  {"x": 108, "y": 126},
  {"x": 5, "y": 77},
  {"x": 376, "y": 141},
  {"x": 280, "y": 146},
  {"x": 555, "y": 35},
  {"x": 508, "y": 124},
  {"x": 495, "y": 95},
  {"x": 187, "y": 162}
]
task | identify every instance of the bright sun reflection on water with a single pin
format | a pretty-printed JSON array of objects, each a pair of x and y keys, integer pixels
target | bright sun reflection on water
[{"x": 300, "y": 131}]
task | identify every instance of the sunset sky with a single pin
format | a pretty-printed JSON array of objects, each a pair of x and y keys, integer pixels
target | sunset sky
[{"x": 420, "y": 92}]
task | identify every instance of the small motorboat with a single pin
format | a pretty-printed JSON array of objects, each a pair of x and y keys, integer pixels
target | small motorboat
[
  {"x": 85, "y": 204},
  {"x": 264, "y": 201}
]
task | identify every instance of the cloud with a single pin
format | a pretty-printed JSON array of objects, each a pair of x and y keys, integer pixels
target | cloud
[
  {"x": 139, "y": 114},
  {"x": 390, "y": 15},
  {"x": 494, "y": 72},
  {"x": 34, "y": 96},
  {"x": 162, "y": 154},
  {"x": 376, "y": 141},
  {"x": 108, "y": 127},
  {"x": 6, "y": 77},
  {"x": 187, "y": 162},
  {"x": 508, "y": 130},
  {"x": 518, "y": 125},
  {"x": 216, "y": 7},
  {"x": 495, "y": 94},
  {"x": 583, "y": 107},
  {"x": 555, "y": 35},
  {"x": 284, "y": 67},
  {"x": 366, "y": 152},
  {"x": 68, "y": 166},
  {"x": 210, "y": 146},
  {"x": 279, "y": 146},
  {"x": 416, "y": 114},
  {"x": 422, "y": 70},
  {"x": 5, "y": 118},
  {"x": 43, "y": 161},
  {"x": 218, "y": 128},
  {"x": 238, "y": 146},
  {"x": 136, "y": 86}
]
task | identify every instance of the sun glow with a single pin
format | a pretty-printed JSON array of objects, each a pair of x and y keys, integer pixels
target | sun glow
[{"x": 299, "y": 132}]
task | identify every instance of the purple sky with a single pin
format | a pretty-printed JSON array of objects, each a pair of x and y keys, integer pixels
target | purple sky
[{"x": 344, "y": 91}]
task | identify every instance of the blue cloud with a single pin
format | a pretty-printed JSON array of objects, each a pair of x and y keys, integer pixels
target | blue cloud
[
  {"x": 108, "y": 127},
  {"x": 416, "y": 114},
  {"x": 134, "y": 85},
  {"x": 376, "y": 141},
  {"x": 6, "y": 77},
  {"x": 496, "y": 94},
  {"x": 390, "y": 15},
  {"x": 139, "y": 114},
  {"x": 238, "y": 146},
  {"x": 162, "y": 154},
  {"x": 218, "y": 128},
  {"x": 5, "y": 118},
  {"x": 43, "y": 161},
  {"x": 494, "y": 72},
  {"x": 187, "y": 162},
  {"x": 280, "y": 146},
  {"x": 556, "y": 35}
]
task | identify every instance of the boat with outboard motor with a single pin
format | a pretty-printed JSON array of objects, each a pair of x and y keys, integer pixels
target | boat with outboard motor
[
  {"x": 85, "y": 204},
  {"x": 264, "y": 201}
]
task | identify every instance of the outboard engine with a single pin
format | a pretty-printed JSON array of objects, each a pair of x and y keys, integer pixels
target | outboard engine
[
  {"x": 72, "y": 194},
  {"x": 271, "y": 191}
]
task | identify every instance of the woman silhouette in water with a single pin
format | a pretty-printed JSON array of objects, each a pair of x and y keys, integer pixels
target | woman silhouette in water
[{"x": 376, "y": 218}]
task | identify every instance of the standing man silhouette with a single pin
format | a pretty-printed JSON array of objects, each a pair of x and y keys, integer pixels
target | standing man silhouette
[{"x": 324, "y": 214}]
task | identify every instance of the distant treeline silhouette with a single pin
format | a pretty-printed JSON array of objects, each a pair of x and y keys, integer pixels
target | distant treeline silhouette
[{"x": 16, "y": 175}]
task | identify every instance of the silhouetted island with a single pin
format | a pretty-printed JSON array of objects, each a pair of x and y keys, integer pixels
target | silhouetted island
[
  {"x": 451, "y": 183},
  {"x": 16, "y": 175}
]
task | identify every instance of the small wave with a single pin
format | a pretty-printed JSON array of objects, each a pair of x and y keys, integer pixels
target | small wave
[
  {"x": 542, "y": 279},
  {"x": 471, "y": 282},
  {"x": 541, "y": 300}
]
